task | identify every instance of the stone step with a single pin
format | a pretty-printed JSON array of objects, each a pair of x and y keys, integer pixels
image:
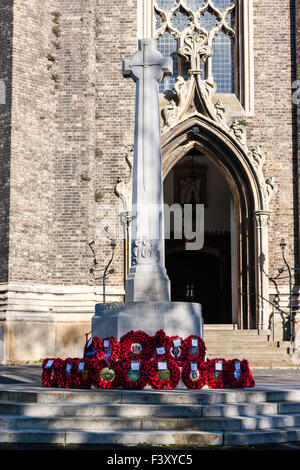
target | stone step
[
  {"x": 112, "y": 423},
  {"x": 190, "y": 438},
  {"x": 148, "y": 396},
  {"x": 140, "y": 411},
  {"x": 267, "y": 436},
  {"x": 214, "y": 330}
]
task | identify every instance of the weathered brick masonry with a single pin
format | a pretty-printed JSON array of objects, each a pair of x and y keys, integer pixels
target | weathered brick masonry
[
  {"x": 6, "y": 21},
  {"x": 65, "y": 130}
]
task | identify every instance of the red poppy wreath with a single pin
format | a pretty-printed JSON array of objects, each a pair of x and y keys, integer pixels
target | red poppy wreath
[
  {"x": 215, "y": 374},
  {"x": 193, "y": 374},
  {"x": 164, "y": 374},
  {"x": 82, "y": 373},
  {"x": 136, "y": 345},
  {"x": 238, "y": 374},
  {"x": 51, "y": 366},
  {"x": 64, "y": 376},
  {"x": 93, "y": 349},
  {"x": 106, "y": 375},
  {"x": 193, "y": 348},
  {"x": 162, "y": 345},
  {"x": 134, "y": 374},
  {"x": 111, "y": 348},
  {"x": 176, "y": 352}
]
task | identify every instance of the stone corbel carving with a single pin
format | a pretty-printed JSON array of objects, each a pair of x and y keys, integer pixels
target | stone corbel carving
[
  {"x": 238, "y": 130},
  {"x": 257, "y": 157},
  {"x": 270, "y": 190}
]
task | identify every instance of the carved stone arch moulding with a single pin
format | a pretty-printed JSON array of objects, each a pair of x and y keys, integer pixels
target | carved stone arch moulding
[{"x": 251, "y": 192}]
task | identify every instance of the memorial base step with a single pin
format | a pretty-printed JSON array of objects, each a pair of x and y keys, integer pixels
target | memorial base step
[{"x": 228, "y": 417}]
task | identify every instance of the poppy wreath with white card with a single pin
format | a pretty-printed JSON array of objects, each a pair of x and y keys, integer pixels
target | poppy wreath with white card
[
  {"x": 216, "y": 373},
  {"x": 82, "y": 373},
  {"x": 193, "y": 374},
  {"x": 193, "y": 348},
  {"x": 106, "y": 375},
  {"x": 51, "y": 366},
  {"x": 176, "y": 350},
  {"x": 164, "y": 374},
  {"x": 93, "y": 349},
  {"x": 238, "y": 374},
  {"x": 111, "y": 348},
  {"x": 162, "y": 345},
  {"x": 136, "y": 345},
  {"x": 134, "y": 374},
  {"x": 65, "y": 373}
]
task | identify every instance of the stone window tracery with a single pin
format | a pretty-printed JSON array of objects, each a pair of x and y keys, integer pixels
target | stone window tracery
[{"x": 215, "y": 22}]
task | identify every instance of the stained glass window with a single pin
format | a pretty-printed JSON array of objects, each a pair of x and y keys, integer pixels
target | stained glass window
[{"x": 216, "y": 18}]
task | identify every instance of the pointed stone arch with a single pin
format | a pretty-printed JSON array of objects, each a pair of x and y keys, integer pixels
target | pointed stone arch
[{"x": 251, "y": 194}]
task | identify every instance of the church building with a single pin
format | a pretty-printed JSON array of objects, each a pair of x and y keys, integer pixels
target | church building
[{"x": 230, "y": 139}]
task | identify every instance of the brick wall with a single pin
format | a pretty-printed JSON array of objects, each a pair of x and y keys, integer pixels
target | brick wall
[
  {"x": 73, "y": 120},
  {"x": 6, "y": 18},
  {"x": 273, "y": 126},
  {"x": 68, "y": 147}
]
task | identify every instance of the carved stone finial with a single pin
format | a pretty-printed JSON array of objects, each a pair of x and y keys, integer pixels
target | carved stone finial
[{"x": 195, "y": 48}]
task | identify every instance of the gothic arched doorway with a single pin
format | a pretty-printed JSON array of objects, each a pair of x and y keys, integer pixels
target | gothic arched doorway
[
  {"x": 248, "y": 213},
  {"x": 204, "y": 275}
]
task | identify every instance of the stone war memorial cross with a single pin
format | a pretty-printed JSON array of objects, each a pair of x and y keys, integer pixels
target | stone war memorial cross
[
  {"x": 147, "y": 303},
  {"x": 147, "y": 278}
]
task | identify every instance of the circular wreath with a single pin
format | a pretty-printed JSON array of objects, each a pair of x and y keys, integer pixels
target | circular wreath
[
  {"x": 156, "y": 375},
  {"x": 194, "y": 379},
  {"x": 176, "y": 352},
  {"x": 106, "y": 375},
  {"x": 245, "y": 378},
  {"x": 82, "y": 373},
  {"x": 133, "y": 380},
  {"x": 193, "y": 353},
  {"x": 211, "y": 380},
  {"x": 65, "y": 373},
  {"x": 93, "y": 349},
  {"x": 136, "y": 345},
  {"x": 111, "y": 352},
  {"x": 162, "y": 345},
  {"x": 50, "y": 374}
]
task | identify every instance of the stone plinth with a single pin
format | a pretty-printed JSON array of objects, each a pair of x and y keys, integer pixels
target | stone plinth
[{"x": 175, "y": 318}]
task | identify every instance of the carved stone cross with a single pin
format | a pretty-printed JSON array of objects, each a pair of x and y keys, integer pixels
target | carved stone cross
[{"x": 147, "y": 278}]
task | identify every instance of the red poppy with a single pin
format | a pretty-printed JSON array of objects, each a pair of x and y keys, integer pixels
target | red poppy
[
  {"x": 164, "y": 374},
  {"x": 51, "y": 367},
  {"x": 93, "y": 349},
  {"x": 106, "y": 375},
  {"x": 176, "y": 351},
  {"x": 215, "y": 373},
  {"x": 64, "y": 376},
  {"x": 193, "y": 374},
  {"x": 238, "y": 374},
  {"x": 111, "y": 348},
  {"x": 82, "y": 373},
  {"x": 162, "y": 345},
  {"x": 193, "y": 348},
  {"x": 134, "y": 374},
  {"x": 136, "y": 345}
]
